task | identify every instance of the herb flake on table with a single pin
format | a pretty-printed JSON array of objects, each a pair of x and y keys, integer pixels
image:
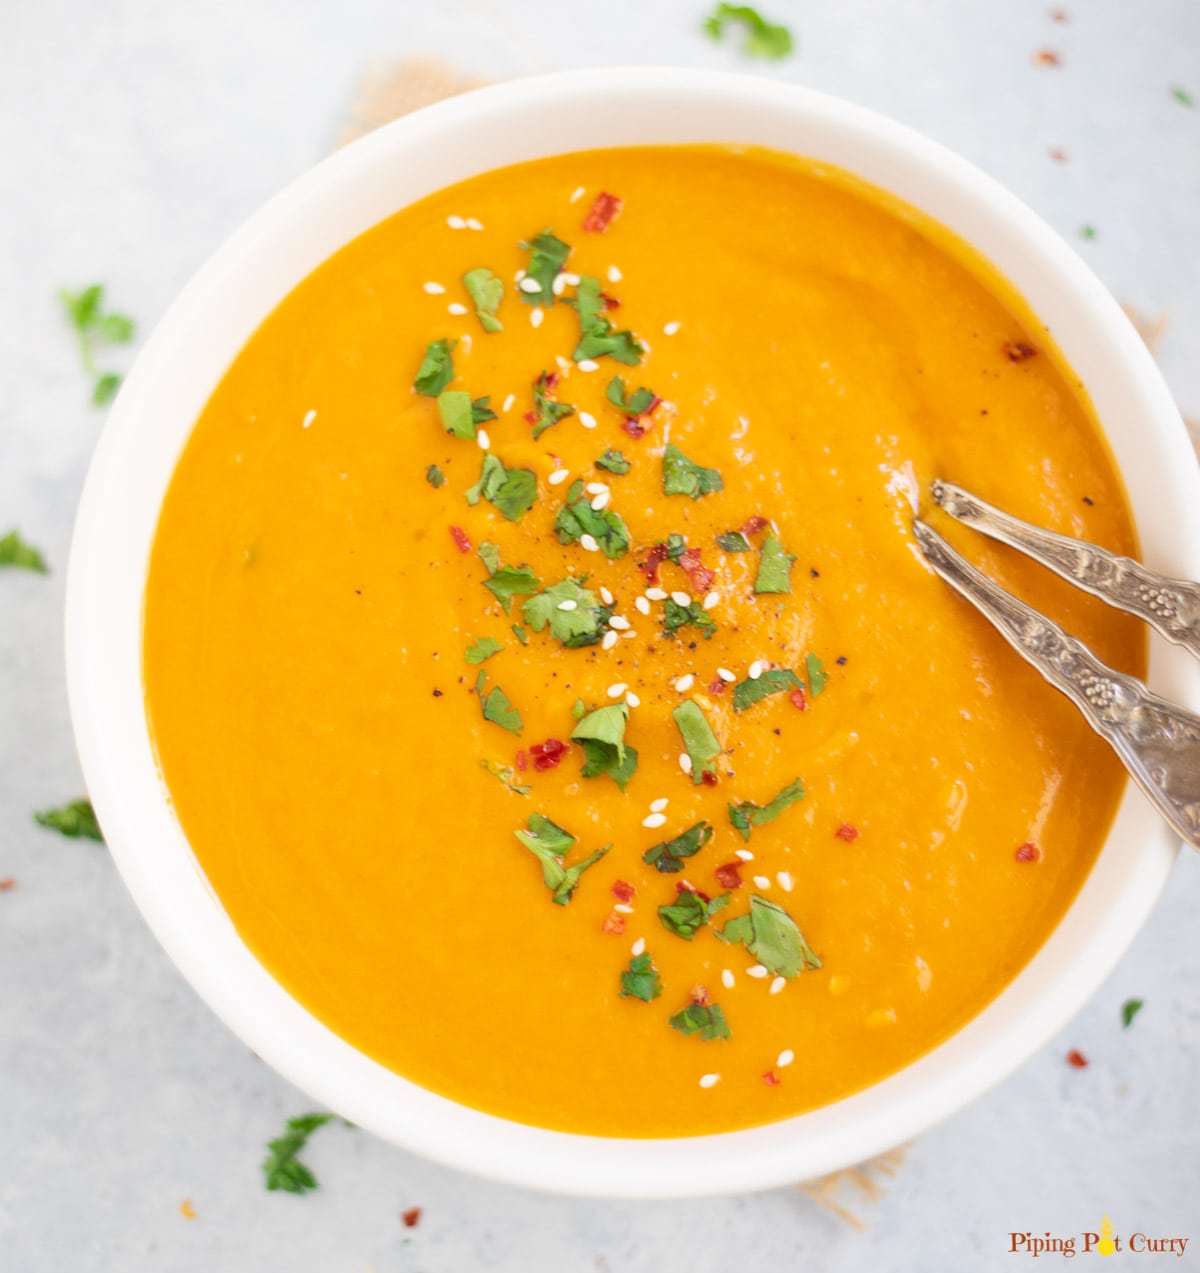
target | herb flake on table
[
  {"x": 773, "y": 937},
  {"x": 668, "y": 857},
  {"x": 747, "y": 815},
  {"x": 15, "y": 552},
  {"x": 705, "y": 1020},
  {"x": 95, "y": 326},
  {"x": 547, "y": 256},
  {"x": 76, "y": 820},
  {"x": 549, "y": 843},
  {"x": 699, "y": 741},
  {"x": 1129, "y": 1009},
  {"x": 601, "y": 734},
  {"x": 681, "y": 476},
  {"x": 512, "y": 491},
  {"x": 1182, "y": 96},
  {"x": 437, "y": 368},
  {"x": 507, "y": 775},
  {"x": 486, "y": 291},
  {"x": 774, "y": 681},
  {"x": 483, "y": 649},
  {"x": 769, "y": 41},
  {"x": 577, "y": 518},
  {"x": 597, "y": 339},
  {"x": 574, "y": 615},
  {"x": 497, "y": 706},
  {"x": 641, "y": 979},
  {"x": 546, "y": 410},
  {"x": 774, "y": 567},
  {"x": 689, "y": 912},
  {"x": 282, "y": 1169},
  {"x": 613, "y": 461}
]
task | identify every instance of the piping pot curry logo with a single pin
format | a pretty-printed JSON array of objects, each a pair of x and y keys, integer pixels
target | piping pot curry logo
[{"x": 1104, "y": 1241}]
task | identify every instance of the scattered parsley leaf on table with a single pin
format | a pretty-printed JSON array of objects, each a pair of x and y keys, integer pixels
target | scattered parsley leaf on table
[
  {"x": 1129, "y": 1009},
  {"x": 641, "y": 980},
  {"x": 94, "y": 326},
  {"x": 76, "y": 820},
  {"x": 282, "y": 1169},
  {"x": 14, "y": 551},
  {"x": 1087, "y": 232},
  {"x": 1182, "y": 96},
  {"x": 768, "y": 40}
]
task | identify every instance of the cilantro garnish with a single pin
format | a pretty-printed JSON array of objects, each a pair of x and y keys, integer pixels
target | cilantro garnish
[
  {"x": 693, "y": 614},
  {"x": 486, "y": 292},
  {"x": 547, "y": 256},
  {"x": 435, "y": 477},
  {"x": 636, "y": 403},
  {"x": 483, "y": 649},
  {"x": 734, "y": 541},
  {"x": 520, "y": 633},
  {"x": 699, "y": 741},
  {"x": 583, "y": 623},
  {"x": 95, "y": 327},
  {"x": 601, "y": 734},
  {"x": 689, "y": 912},
  {"x": 1183, "y": 97},
  {"x": 548, "y": 411},
  {"x": 506, "y": 582},
  {"x": 481, "y": 411},
  {"x": 512, "y": 491},
  {"x": 577, "y": 518},
  {"x": 454, "y": 406},
  {"x": 76, "y": 820},
  {"x": 578, "y": 710},
  {"x": 282, "y": 1169},
  {"x": 496, "y": 705},
  {"x": 768, "y": 40},
  {"x": 747, "y": 814},
  {"x": 507, "y": 775},
  {"x": 1129, "y": 1009},
  {"x": 676, "y": 546},
  {"x": 642, "y": 980},
  {"x": 747, "y": 693},
  {"x": 706, "y": 1020},
  {"x": 548, "y": 842},
  {"x": 680, "y": 476},
  {"x": 772, "y": 936},
  {"x": 817, "y": 676},
  {"x": 14, "y": 551},
  {"x": 436, "y": 369},
  {"x": 668, "y": 857},
  {"x": 597, "y": 338},
  {"x": 774, "y": 567},
  {"x": 613, "y": 462}
]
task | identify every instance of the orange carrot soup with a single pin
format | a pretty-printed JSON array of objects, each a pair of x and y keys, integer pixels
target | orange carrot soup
[{"x": 543, "y": 670}]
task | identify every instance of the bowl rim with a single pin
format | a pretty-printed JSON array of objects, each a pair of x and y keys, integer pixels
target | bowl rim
[{"x": 106, "y": 576}]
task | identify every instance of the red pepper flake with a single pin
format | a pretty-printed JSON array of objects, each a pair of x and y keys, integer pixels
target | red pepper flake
[
  {"x": 649, "y": 567},
  {"x": 1046, "y": 57},
  {"x": 716, "y": 686},
  {"x": 682, "y": 886},
  {"x": 604, "y": 209},
  {"x": 1058, "y": 155},
  {"x": 699, "y": 995},
  {"x": 522, "y": 761},
  {"x": 1059, "y": 15},
  {"x": 754, "y": 525},
  {"x": 728, "y": 875},
  {"x": 531, "y": 417},
  {"x": 613, "y": 923},
  {"x": 411, "y": 1217},
  {"x": 7, "y": 884},
  {"x": 623, "y": 891},
  {"x": 1018, "y": 350},
  {"x": 1076, "y": 1059},
  {"x": 460, "y": 538},
  {"x": 699, "y": 574},
  {"x": 847, "y": 832},
  {"x": 547, "y": 755},
  {"x": 771, "y": 1079},
  {"x": 610, "y": 302},
  {"x": 634, "y": 427},
  {"x": 708, "y": 778},
  {"x": 798, "y": 701},
  {"x": 1028, "y": 852}
]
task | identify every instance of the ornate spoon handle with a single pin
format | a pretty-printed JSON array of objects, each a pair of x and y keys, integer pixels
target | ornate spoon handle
[
  {"x": 1171, "y": 606},
  {"x": 1158, "y": 742}
]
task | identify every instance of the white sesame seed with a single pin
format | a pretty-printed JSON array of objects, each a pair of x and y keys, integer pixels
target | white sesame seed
[
  {"x": 778, "y": 984},
  {"x": 761, "y": 881},
  {"x": 614, "y": 274},
  {"x": 588, "y": 543},
  {"x": 558, "y": 477},
  {"x": 587, "y": 420},
  {"x": 528, "y": 284},
  {"x": 632, "y": 699},
  {"x": 670, "y": 329},
  {"x": 656, "y": 594},
  {"x": 744, "y": 854},
  {"x": 578, "y": 194},
  {"x": 508, "y": 402},
  {"x": 685, "y": 683},
  {"x": 456, "y": 309},
  {"x": 609, "y": 640},
  {"x": 681, "y": 598},
  {"x": 619, "y": 622},
  {"x": 483, "y": 439},
  {"x": 456, "y": 223},
  {"x": 726, "y": 675},
  {"x": 628, "y": 635},
  {"x": 594, "y": 488},
  {"x": 642, "y": 605},
  {"x": 709, "y": 1080},
  {"x": 572, "y": 279},
  {"x": 306, "y": 423},
  {"x": 466, "y": 342},
  {"x": 622, "y": 909},
  {"x": 536, "y": 316},
  {"x": 712, "y": 599},
  {"x": 588, "y": 364},
  {"x": 757, "y": 668},
  {"x": 434, "y": 289},
  {"x": 606, "y": 596},
  {"x": 601, "y": 501},
  {"x": 785, "y": 1058},
  {"x": 563, "y": 364},
  {"x": 472, "y": 224},
  {"x": 559, "y": 286},
  {"x": 685, "y": 762},
  {"x": 518, "y": 276},
  {"x": 657, "y": 806},
  {"x": 568, "y": 604},
  {"x": 616, "y": 690},
  {"x": 757, "y": 971},
  {"x": 639, "y": 946},
  {"x": 654, "y": 820},
  {"x": 785, "y": 881},
  {"x": 727, "y": 979}
]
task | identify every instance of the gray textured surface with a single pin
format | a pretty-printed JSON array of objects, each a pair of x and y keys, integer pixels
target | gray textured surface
[{"x": 135, "y": 136}]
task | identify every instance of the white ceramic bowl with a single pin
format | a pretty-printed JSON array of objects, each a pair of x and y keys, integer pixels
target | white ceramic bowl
[{"x": 203, "y": 332}]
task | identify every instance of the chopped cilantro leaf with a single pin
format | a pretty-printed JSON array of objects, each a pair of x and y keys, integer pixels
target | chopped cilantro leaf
[
  {"x": 613, "y": 462},
  {"x": 774, "y": 567},
  {"x": 641, "y": 981},
  {"x": 14, "y": 551},
  {"x": 548, "y": 411},
  {"x": 547, "y": 256},
  {"x": 582, "y": 623},
  {"x": 597, "y": 338},
  {"x": 1129, "y": 1009},
  {"x": 282, "y": 1169},
  {"x": 762, "y": 39},
  {"x": 507, "y": 775},
  {"x": 747, "y": 693},
  {"x": 105, "y": 388},
  {"x": 577, "y": 518},
  {"x": 705, "y": 1020},
  {"x": 748, "y": 815},
  {"x": 496, "y": 705},
  {"x": 699, "y": 741},
  {"x": 693, "y": 614},
  {"x": 578, "y": 709},
  {"x": 817, "y": 676},
  {"x": 483, "y": 649},
  {"x": 94, "y": 326},
  {"x": 486, "y": 291},
  {"x": 636, "y": 403},
  {"x": 489, "y": 554},
  {"x": 481, "y": 411},
  {"x": 676, "y": 546},
  {"x": 520, "y": 633},
  {"x": 601, "y": 734},
  {"x": 76, "y": 820},
  {"x": 435, "y": 477},
  {"x": 454, "y": 406},
  {"x": 772, "y": 936},
  {"x": 668, "y": 857},
  {"x": 508, "y": 582},
  {"x": 689, "y": 912},
  {"x": 549, "y": 843},
  {"x": 512, "y": 491},
  {"x": 680, "y": 476},
  {"x": 1087, "y": 232},
  {"x": 1183, "y": 97},
  {"x": 734, "y": 542},
  {"x": 545, "y": 836},
  {"x": 436, "y": 369}
]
